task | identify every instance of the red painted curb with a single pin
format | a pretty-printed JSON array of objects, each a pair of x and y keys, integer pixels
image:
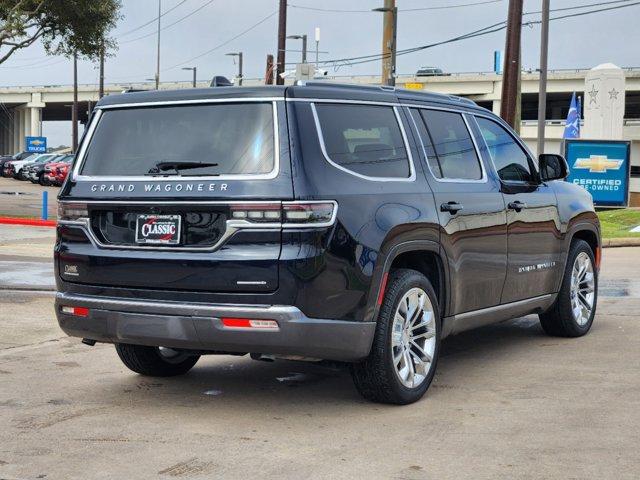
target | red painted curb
[{"x": 32, "y": 222}]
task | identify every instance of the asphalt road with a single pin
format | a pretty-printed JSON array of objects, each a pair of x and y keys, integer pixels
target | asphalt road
[
  {"x": 20, "y": 198},
  {"x": 507, "y": 402}
]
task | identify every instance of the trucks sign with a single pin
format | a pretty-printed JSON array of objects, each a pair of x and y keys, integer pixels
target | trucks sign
[
  {"x": 602, "y": 167},
  {"x": 36, "y": 144}
]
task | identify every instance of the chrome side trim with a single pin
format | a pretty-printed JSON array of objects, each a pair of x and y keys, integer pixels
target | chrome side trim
[
  {"x": 499, "y": 313},
  {"x": 483, "y": 179},
  {"x": 412, "y": 169},
  {"x": 77, "y": 177}
]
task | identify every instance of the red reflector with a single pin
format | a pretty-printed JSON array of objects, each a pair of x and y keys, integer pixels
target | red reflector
[
  {"x": 598, "y": 256},
  {"x": 383, "y": 287},
  {"x": 77, "y": 311},
  {"x": 236, "y": 322},
  {"x": 255, "y": 323}
]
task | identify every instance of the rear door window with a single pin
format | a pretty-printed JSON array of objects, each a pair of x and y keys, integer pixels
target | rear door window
[
  {"x": 363, "y": 139},
  {"x": 452, "y": 144},
  {"x": 232, "y": 138}
]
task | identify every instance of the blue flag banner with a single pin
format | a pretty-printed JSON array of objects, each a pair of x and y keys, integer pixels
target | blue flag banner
[{"x": 572, "y": 126}]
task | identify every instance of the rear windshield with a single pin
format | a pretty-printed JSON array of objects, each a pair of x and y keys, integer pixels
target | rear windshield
[{"x": 237, "y": 137}]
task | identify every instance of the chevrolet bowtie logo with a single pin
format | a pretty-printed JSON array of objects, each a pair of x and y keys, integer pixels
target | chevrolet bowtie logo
[
  {"x": 37, "y": 143},
  {"x": 598, "y": 163}
]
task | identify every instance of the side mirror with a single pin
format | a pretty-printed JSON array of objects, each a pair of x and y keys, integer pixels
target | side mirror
[{"x": 552, "y": 167}]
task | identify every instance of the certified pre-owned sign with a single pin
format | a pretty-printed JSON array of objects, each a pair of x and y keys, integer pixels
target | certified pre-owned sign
[
  {"x": 158, "y": 229},
  {"x": 602, "y": 167}
]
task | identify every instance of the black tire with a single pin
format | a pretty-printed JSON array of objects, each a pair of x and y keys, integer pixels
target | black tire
[
  {"x": 42, "y": 181},
  {"x": 151, "y": 362},
  {"x": 559, "y": 320},
  {"x": 375, "y": 377}
]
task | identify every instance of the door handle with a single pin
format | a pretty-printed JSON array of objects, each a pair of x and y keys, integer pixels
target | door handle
[
  {"x": 451, "y": 207},
  {"x": 517, "y": 205}
]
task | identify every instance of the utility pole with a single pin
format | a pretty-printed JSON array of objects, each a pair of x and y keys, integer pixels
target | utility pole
[
  {"x": 268, "y": 75},
  {"x": 511, "y": 74},
  {"x": 101, "y": 84},
  {"x": 74, "y": 108},
  {"x": 282, "y": 40},
  {"x": 239, "y": 55},
  {"x": 158, "y": 59},
  {"x": 542, "y": 96},
  {"x": 389, "y": 37}
]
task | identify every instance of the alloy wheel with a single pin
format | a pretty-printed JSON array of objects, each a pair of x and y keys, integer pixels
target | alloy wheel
[
  {"x": 413, "y": 338},
  {"x": 582, "y": 289}
]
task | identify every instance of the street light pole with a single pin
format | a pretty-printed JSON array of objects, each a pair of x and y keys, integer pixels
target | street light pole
[
  {"x": 74, "y": 108},
  {"x": 239, "y": 55},
  {"x": 158, "y": 59},
  {"x": 542, "y": 96},
  {"x": 317, "y": 46},
  {"x": 389, "y": 37},
  {"x": 194, "y": 70},
  {"x": 101, "y": 85},
  {"x": 304, "y": 45}
]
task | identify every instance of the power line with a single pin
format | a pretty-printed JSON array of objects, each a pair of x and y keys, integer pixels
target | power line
[
  {"x": 171, "y": 24},
  {"x": 442, "y": 7},
  {"x": 483, "y": 31},
  {"x": 223, "y": 43},
  {"x": 153, "y": 20}
]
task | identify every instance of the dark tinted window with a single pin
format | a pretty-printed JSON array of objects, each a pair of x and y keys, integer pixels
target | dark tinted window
[
  {"x": 453, "y": 146},
  {"x": 425, "y": 140},
  {"x": 130, "y": 141},
  {"x": 364, "y": 139},
  {"x": 510, "y": 160}
]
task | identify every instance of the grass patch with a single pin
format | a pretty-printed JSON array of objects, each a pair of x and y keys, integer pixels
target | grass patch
[{"x": 617, "y": 223}]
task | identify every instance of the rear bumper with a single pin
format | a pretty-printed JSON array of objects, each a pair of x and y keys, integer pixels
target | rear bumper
[{"x": 199, "y": 326}]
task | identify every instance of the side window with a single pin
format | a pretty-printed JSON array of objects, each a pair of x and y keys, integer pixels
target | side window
[
  {"x": 510, "y": 160},
  {"x": 425, "y": 140},
  {"x": 364, "y": 139},
  {"x": 452, "y": 144}
]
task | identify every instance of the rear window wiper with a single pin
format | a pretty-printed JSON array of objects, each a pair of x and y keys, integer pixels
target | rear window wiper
[{"x": 161, "y": 167}]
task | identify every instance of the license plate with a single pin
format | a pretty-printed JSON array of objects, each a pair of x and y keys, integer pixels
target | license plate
[{"x": 158, "y": 229}]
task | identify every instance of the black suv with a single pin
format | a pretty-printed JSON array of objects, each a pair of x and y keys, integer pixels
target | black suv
[{"x": 317, "y": 221}]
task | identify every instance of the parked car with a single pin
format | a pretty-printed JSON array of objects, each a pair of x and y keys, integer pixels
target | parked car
[
  {"x": 56, "y": 172},
  {"x": 430, "y": 72},
  {"x": 18, "y": 165},
  {"x": 35, "y": 171},
  {"x": 17, "y": 157},
  {"x": 317, "y": 221}
]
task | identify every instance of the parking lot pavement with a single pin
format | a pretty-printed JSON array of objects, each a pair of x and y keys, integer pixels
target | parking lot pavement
[
  {"x": 24, "y": 199},
  {"x": 507, "y": 402}
]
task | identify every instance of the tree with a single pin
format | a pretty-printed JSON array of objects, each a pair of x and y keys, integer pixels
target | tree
[{"x": 63, "y": 26}]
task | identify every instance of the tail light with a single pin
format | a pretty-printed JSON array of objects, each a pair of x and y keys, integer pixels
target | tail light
[
  {"x": 72, "y": 211},
  {"x": 289, "y": 214}
]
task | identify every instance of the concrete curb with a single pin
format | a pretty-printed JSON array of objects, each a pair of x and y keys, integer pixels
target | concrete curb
[
  {"x": 621, "y": 242},
  {"x": 32, "y": 222}
]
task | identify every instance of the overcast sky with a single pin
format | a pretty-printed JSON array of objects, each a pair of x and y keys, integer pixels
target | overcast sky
[{"x": 580, "y": 42}]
